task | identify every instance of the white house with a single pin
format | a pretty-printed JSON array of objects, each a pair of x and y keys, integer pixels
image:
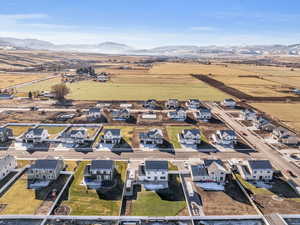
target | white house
[
  {"x": 7, "y": 163},
  {"x": 203, "y": 114},
  {"x": 209, "y": 170},
  {"x": 43, "y": 172},
  {"x": 285, "y": 136},
  {"x": 154, "y": 174},
  {"x": 229, "y": 102},
  {"x": 193, "y": 104},
  {"x": 248, "y": 114},
  {"x": 190, "y": 137},
  {"x": 153, "y": 136},
  {"x": 111, "y": 136},
  {"x": 78, "y": 136},
  {"x": 120, "y": 114},
  {"x": 225, "y": 137},
  {"x": 172, "y": 104},
  {"x": 36, "y": 135},
  {"x": 179, "y": 115},
  {"x": 256, "y": 170},
  {"x": 262, "y": 123}
]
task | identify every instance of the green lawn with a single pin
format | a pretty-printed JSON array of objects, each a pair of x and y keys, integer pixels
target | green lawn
[
  {"x": 130, "y": 90},
  {"x": 170, "y": 202},
  {"x": 90, "y": 202},
  {"x": 19, "y": 199},
  {"x": 173, "y": 132}
]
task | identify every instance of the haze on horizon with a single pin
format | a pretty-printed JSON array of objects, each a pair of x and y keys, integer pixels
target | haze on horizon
[{"x": 147, "y": 24}]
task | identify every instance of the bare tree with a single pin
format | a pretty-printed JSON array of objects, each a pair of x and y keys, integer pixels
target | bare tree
[{"x": 60, "y": 91}]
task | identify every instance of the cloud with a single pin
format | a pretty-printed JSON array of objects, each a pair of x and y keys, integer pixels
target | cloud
[{"x": 202, "y": 28}]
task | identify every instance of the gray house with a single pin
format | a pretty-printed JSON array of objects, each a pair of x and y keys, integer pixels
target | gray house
[
  {"x": 190, "y": 137},
  {"x": 7, "y": 163},
  {"x": 153, "y": 136},
  {"x": 285, "y": 136},
  {"x": 35, "y": 135},
  {"x": 248, "y": 114},
  {"x": 150, "y": 104},
  {"x": 203, "y": 114},
  {"x": 5, "y": 134},
  {"x": 94, "y": 113},
  {"x": 262, "y": 123},
  {"x": 179, "y": 115},
  {"x": 256, "y": 170},
  {"x": 193, "y": 103},
  {"x": 111, "y": 136},
  {"x": 43, "y": 172},
  {"x": 120, "y": 114},
  {"x": 76, "y": 136},
  {"x": 99, "y": 173},
  {"x": 172, "y": 104}
]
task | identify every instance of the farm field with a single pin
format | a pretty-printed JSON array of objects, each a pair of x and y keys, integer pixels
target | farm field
[
  {"x": 288, "y": 113},
  {"x": 8, "y": 80},
  {"x": 91, "y": 202},
  {"x": 170, "y": 202},
  {"x": 138, "y": 87}
]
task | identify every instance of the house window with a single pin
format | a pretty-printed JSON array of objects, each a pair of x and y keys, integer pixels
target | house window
[
  {"x": 255, "y": 171},
  {"x": 268, "y": 171},
  {"x": 162, "y": 178}
]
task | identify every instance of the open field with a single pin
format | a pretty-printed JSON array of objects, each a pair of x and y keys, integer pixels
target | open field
[
  {"x": 280, "y": 198},
  {"x": 288, "y": 113},
  {"x": 19, "y": 130},
  {"x": 91, "y": 202},
  {"x": 169, "y": 202},
  {"x": 40, "y": 86},
  {"x": 19, "y": 199},
  {"x": 8, "y": 80},
  {"x": 138, "y": 87}
]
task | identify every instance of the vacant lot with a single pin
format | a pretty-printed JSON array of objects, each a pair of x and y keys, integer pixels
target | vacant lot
[
  {"x": 138, "y": 87},
  {"x": 91, "y": 202},
  {"x": 169, "y": 202},
  {"x": 230, "y": 202},
  {"x": 280, "y": 198},
  {"x": 19, "y": 130},
  {"x": 288, "y": 113}
]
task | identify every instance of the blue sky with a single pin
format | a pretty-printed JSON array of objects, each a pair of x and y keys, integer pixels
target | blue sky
[{"x": 145, "y": 24}]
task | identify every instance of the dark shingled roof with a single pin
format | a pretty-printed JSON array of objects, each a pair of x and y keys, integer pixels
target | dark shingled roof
[
  {"x": 102, "y": 164},
  {"x": 36, "y": 131},
  {"x": 260, "y": 164},
  {"x": 115, "y": 132},
  {"x": 193, "y": 131},
  {"x": 208, "y": 162},
  {"x": 45, "y": 164},
  {"x": 156, "y": 165},
  {"x": 199, "y": 171}
]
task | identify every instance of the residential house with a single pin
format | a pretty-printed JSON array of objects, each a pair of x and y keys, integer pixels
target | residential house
[
  {"x": 36, "y": 135},
  {"x": 248, "y": 114},
  {"x": 7, "y": 164},
  {"x": 153, "y": 136},
  {"x": 256, "y": 170},
  {"x": 285, "y": 136},
  {"x": 225, "y": 137},
  {"x": 43, "y": 172},
  {"x": 154, "y": 174},
  {"x": 94, "y": 113},
  {"x": 150, "y": 104},
  {"x": 5, "y": 96},
  {"x": 209, "y": 170},
  {"x": 193, "y": 104},
  {"x": 76, "y": 136},
  {"x": 190, "y": 137},
  {"x": 102, "y": 77},
  {"x": 229, "y": 102},
  {"x": 120, "y": 114},
  {"x": 179, "y": 115},
  {"x": 203, "y": 114},
  {"x": 262, "y": 123},
  {"x": 5, "y": 134},
  {"x": 99, "y": 173},
  {"x": 172, "y": 104},
  {"x": 111, "y": 136}
]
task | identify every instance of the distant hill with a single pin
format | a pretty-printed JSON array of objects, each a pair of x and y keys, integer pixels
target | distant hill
[{"x": 172, "y": 50}]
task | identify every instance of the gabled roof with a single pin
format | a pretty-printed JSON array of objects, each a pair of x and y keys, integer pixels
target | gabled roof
[
  {"x": 94, "y": 110},
  {"x": 102, "y": 164},
  {"x": 151, "y": 133},
  {"x": 229, "y": 100},
  {"x": 45, "y": 164},
  {"x": 193, "y": 131},
  {"x": 156, "y": 165},
  {"x": 114, "y": 132},
  {"x": 260, "y": 164},
  {"x": 204, "y": 110},
  {"x": 199, "y": 171},
  {"x": 215, "y": 166},
  {"x": 225, "y": 133},
  {"x": 36, "y": 131},
  {"x": 77, "y": 131},
  {"x": 208, "y": 162}
]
